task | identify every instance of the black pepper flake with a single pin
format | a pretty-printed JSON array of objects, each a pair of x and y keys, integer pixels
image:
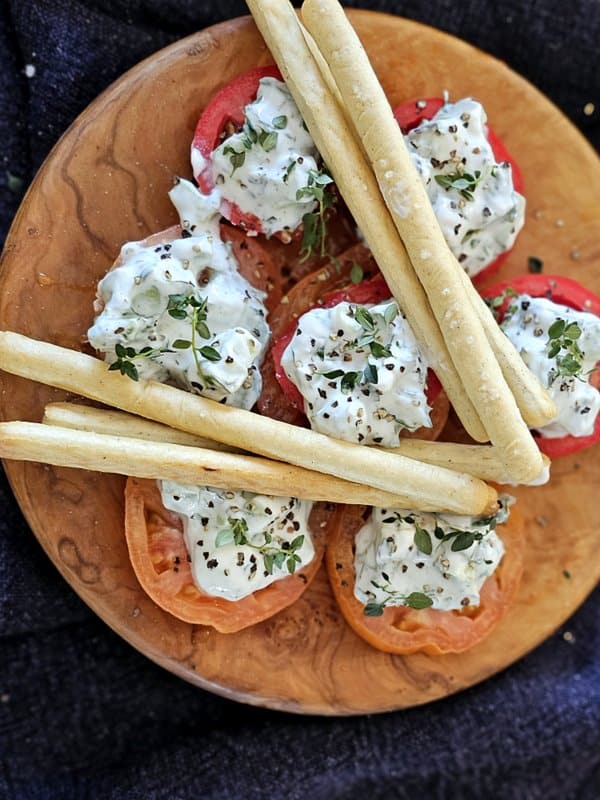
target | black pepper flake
[
  {"x": 204, "y": 521},
  {"x": 389, "y": 366},
  {"x": 344, "y": 583},
  {"x": 229, "y": 360},
  {"x": 253, "y": 559},
  {"x": 240, "y": 559},
  {"x": 335, "y": 404},
  {"x": 420, "y": 564},
  {"x": 175, "y": 569},
  {"x": 404, "y": 567},
  {"x": 338, "y": 565},
  {"x": 535, "y": 265},
  {"x": 452, "y": 128},
  {"x": 268, "y": 510},
  {"x": 322, "y": 393},
  {"x": 210, "y": 504},
  {"x": 177, "y": 560},
  {"x": 326, "y": 415},
  {"x": 164, "y": 256},
  {"x": 378, "y": 439},
  {"x": 185, "y": 234},
  {"x": 298, "y": 332},
  {"x": 205, "y": 555},
  {"x": 200, "y": 542},
  {"x": 360, "y": 437}
]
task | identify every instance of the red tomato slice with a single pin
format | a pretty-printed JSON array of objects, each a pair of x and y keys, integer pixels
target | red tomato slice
[
  {"x": 410, "y": 114},
  {"x": 226, "y": 111},
  {"x": 160, "y": 562},
  {"x": 223, "y": 116},
  {"x": 404, "y": 630},
  {"x": 563, "y": 291},
  {"x": 326, "y": 288}
]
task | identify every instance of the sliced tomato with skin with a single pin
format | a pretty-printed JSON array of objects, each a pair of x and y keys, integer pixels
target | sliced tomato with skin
[
  {"x": 404, "y": 630},
  {"x": 326, "y": 288},
  {"x": 410, "y": 114},
  {"x": 160, "y": 561},
  {"x": 563, "y": 291},
  {"x": 224, "y": 115}
]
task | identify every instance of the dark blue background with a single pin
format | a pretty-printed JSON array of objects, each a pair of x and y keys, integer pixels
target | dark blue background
[{"x": 82, "y": 714}]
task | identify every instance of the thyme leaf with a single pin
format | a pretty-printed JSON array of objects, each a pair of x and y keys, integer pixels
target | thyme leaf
[
  {"x": 315, "y": 226},
  {"x": 463, "y": 183}
]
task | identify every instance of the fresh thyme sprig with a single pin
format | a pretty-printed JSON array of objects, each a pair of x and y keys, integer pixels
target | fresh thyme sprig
[
  {"x": 267, "y": 139},
  {"x": 182, "y": 307},
  {"x": 315, "y": 226},
  {"x": 416, "y": 600},
  {"x": 463, "y": 183},
  {"x": 274, "y": 555},
  {"x": 562, "y": 346},
  {"x": 127, "y": 355}
]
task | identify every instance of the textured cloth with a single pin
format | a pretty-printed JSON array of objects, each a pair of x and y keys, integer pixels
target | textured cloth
[{"x": 84, "y": 715}]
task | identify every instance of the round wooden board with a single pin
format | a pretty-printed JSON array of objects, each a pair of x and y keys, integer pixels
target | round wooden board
[{"x": 106, "y": 182}]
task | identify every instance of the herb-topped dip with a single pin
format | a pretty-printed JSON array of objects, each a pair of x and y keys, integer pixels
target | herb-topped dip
[
  {"x": 472, "y": 195},
  {"x": 360, "y": 371},
  {"x": 424, "y": 560},
  {"x": 240, "y": 542},
  {"x": 179, "y": 312},
  {"x": 269, "y": 169},
  {"x": 561, "y": 346}
]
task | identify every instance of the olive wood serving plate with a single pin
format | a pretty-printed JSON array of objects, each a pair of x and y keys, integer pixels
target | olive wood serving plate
[{"x": 106, "y": 182}]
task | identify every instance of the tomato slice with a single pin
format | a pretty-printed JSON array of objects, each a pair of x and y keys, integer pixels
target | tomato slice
[
  {"x": 225, "y": 114},
  {"x": 160, "y": 562},
  {"x": 404, "y": 630},
  {"x": 327, "y": 287},
  {"x": 410, "y": 114},
  {"x": 563, "y": 291}
]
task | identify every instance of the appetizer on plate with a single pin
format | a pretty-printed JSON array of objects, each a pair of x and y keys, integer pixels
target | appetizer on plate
[
  {"x": 554, "y": 322},
  {"x": 357, "y": 345}
]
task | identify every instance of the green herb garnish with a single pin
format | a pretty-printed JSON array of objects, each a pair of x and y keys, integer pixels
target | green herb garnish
[
  {"x": 465, "y": 183},
  {"x": 315, "y": 226},
  {"x": 274, "y": 555},
  {"x": 562, "y": 346},
  {"x": 356, "y": 273}
]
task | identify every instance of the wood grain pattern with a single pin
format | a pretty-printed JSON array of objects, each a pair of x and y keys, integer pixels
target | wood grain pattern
[{"x": 106, "y": 182}]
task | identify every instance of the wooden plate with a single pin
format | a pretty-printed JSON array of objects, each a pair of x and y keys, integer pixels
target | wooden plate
[{"x": 106, "y": 182}]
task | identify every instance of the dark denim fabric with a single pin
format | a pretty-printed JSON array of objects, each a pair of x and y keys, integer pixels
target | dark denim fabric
[{"x": 81, "y": 713}]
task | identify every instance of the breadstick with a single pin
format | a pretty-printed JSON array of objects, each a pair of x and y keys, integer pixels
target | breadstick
[
  {"x": 82, "y": 374},
  {"x": 118, "y": 423},
  {"x": 480, "y": 461},
  {"x": 413, "y": 215},
  {"x": 535, "y": 404},
  {"x": 65, "y": 447},
  {"x": 474, "y": 459},
  {"x": 329, "y": 128}
]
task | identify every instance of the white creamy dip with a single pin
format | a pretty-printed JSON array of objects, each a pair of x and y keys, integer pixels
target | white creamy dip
[
  {"x": 262, "y": 168},
  {"x": 360, "y": 371},
  {"x": 240, "y": 542},
  {"x": 203, "y": 324},
  {"x": 480, "y": 214},
  {"x": 528, "y": 324},
  {"x": 390, "y": 567}
]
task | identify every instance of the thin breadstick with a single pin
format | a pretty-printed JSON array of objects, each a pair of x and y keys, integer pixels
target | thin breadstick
[
  {"x": 329, "y": 128},
  {"x": 475, "y": 459},
  {"x": 415, "y": 220},
  {"x": 480, "y": 461},
  {"x": 65, "y": 447},
  {"x": 119, "y": 423},
  {"x": 87, "y": 376}
]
